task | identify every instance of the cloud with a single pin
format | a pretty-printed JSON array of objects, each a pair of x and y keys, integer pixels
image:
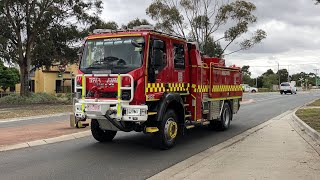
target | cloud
[
  {"x": 123, "y": 11},
  {"x": 292, "y": 26}
]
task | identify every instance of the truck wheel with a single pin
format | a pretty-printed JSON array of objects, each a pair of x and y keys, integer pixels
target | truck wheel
[
  {"x": 281, "y": 92},
  {"x": 225, "y": 119},
  {"x": 253, "y": 91},
  {"x": 165, "y": 138},
  {"x": 99, "y": 134}
]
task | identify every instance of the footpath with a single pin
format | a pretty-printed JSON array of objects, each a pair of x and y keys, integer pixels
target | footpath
[
  {"x": 24, "y": 132},
  {"x": 276, "y": 149}
]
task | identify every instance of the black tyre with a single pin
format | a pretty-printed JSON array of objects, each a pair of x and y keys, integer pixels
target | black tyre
[
  {"x": 166, "y": 137},
  {"x": 253, "y": 91},
  {"x": 281, "y": 92},
  {"x": 224, "y": 121},
  {"x": 99, "y": 134}
]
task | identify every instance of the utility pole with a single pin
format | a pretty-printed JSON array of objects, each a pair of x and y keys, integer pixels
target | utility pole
[
  {"x": 288, "y": 74},
  {"x": 316, "y": 70},
  {"x": 278, "y": 74}
]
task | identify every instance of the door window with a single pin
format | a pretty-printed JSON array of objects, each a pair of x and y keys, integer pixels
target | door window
[{"x": 179, "y": 57}]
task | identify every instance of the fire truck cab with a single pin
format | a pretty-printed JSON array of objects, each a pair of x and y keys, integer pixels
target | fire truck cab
[{"x": 148, "y": 81}]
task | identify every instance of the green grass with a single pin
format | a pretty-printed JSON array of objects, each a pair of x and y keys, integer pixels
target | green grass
[
  {"x": 316, "y": 103},
  {"x": 310, "y": 117}
]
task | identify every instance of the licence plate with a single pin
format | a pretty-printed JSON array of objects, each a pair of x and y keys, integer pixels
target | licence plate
[
  {"x": 284, "y": 90},
  {"x": 93, "y": 107}
]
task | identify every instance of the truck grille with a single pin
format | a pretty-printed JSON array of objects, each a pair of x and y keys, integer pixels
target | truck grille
[{"x": 109, "y": 95}]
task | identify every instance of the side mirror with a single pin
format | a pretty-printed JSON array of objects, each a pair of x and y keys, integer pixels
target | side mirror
[
  {"x": 158, "y": 44},
  {"x": 157, "y": 58}
]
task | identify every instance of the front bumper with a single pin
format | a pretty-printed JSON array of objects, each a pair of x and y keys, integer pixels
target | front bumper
[{"x": 122, "y": 111}]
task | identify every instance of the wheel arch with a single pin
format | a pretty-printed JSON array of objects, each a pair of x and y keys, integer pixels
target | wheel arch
[{"x": 171, "y": 101}]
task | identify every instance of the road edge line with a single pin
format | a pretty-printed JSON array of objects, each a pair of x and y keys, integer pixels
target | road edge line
[
  {"x": 40, "y": 142},
  {"x": 180, "y": 166}
]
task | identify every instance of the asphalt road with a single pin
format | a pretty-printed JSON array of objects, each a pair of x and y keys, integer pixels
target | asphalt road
[{"x": 131, "y": 156}]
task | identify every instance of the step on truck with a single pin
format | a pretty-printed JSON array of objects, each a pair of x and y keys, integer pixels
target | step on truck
[{"x": 148, "y": 81}]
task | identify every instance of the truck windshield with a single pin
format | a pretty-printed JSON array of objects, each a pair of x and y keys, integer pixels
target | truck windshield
[{"x": 118, "y": 54}]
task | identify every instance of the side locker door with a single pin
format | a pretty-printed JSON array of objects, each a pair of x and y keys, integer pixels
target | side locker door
[
  {"x": 180, "y": 74},
  {"x": 157, "y": 74}
]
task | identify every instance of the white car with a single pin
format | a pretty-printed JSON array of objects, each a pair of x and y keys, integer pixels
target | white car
[
  {"x": 247, "y": 88},
  {"x": 287, "y": 87}
]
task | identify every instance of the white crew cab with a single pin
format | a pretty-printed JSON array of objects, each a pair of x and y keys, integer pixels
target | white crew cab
[
  {"x": 287, "y": 87},
  {"x": 247, "y": 88}
]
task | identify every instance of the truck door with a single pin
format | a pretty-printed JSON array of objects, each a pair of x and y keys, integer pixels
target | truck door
[
  {"x": 179, "y": 77},
  {"x": 158, "y": 69}
]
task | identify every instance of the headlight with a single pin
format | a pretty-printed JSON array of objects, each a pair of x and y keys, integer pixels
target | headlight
[
  {"x": 133, "y": 112},
  {"x": 136, "y": 112},
  {"x": 143, "y": 112}
]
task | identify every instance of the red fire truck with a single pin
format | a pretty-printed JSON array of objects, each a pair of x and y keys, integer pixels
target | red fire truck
[{"x": 147, "y": 81}]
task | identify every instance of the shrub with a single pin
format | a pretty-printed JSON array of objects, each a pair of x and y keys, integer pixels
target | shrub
[{"x": 35, "y": 98}]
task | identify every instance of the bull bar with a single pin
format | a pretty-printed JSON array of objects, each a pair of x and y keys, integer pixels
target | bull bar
[{"x": 121, "y": 109}]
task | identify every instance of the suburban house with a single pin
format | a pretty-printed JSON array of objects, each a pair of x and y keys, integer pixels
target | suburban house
[{"x": 56, "y": 79}]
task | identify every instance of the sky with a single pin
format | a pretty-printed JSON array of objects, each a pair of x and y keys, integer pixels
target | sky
[{"x": 292, "y": 27}]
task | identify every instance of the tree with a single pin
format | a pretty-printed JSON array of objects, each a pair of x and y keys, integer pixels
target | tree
[
  {"x": 9, "y": 76},
  {"x": 137, "y": 22},
  {"x": 212, "y": 49},
  {"x": 246, "y": 75},
  {"x": 283, "y": 75},
  {"x": 56, "y": 45},
  {"x": 59, "y": 44},
  {"x": 303, "y": 77},
  {"x": 268, "y": 72},
  {"x": 100, "y": 24},
  {"x": 23, "y": 21},
  {"x": 245, "y": 70},
  {"x": 269, "y": 80},
  {"x": 202, "y": 18},
  {"x": 317, "y": 1}
]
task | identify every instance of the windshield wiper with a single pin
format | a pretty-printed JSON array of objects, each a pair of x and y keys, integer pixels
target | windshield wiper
[{"x": 93, "y": 67}]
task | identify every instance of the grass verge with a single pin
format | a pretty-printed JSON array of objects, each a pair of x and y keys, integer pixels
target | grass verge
[
  {"x": 316, "y": 103},
  {"x": 310, "y": 117},
  {"x": 34, "y": 110}
]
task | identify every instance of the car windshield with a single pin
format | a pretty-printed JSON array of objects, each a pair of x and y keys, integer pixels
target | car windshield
[
  {"x": 285, "y": 84},
  {"x": 120, "y": 54}
]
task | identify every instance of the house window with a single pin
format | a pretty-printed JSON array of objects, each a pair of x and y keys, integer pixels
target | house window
[
  {"x": 31, "y": 86},
  {"x": 58, "y": 86}
]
